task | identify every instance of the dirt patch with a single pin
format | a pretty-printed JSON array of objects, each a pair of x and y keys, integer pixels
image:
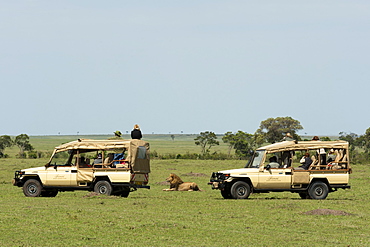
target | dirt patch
[
  {"x": 194, "y": 174},
  {"x": 326, "y": 212},
  {"x": 163, "y": 183}
]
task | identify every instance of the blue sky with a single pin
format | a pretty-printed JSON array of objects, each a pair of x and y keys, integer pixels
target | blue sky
[{"x": 94, "y": 67}]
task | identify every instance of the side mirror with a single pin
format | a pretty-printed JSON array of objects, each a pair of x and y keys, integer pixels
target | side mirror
[{"x": 268, "y": 167}]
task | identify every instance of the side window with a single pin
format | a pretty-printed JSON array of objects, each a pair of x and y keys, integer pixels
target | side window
[{"x": 273, "y": 161}]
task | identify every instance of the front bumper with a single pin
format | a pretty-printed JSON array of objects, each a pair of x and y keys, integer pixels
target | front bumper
[
  {"x": 16, "y": 181},
  {"x": 217, "y": 180}
]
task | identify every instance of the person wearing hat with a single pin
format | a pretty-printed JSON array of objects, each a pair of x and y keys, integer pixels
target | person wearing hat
[
  {"x": 288, "y": 137},
  {"x": 136, "y": 132},
  {"x": 117, "y": 133}
]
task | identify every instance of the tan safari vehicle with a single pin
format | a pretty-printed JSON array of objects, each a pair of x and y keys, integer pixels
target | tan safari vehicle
[
  {"x": 121, "y": 167},
  {"x": 328, "y": 172}
]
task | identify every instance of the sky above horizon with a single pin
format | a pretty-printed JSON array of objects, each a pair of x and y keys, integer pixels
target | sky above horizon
[{"x": 94, "y": 67}]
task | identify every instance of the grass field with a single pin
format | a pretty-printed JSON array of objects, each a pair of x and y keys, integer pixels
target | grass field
[{"x": 157, "y": 218}]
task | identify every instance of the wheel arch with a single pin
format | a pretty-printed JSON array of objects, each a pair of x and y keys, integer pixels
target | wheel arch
[
  {"x": 100, "y": 178},
  {"x": 324, "y": 180},
  {"x": 25, "y": 178},
  {"x": 244, "y": 179}
]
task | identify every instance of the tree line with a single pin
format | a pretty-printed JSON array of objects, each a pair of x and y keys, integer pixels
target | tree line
[
  {"x": 21, "y": 141},
  {"x": 242, "y": 143},
  {"x": 273, "y": 130}
]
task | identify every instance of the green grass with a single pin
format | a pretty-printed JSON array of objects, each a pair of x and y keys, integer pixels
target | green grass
[{"x": 158, "y": 218}]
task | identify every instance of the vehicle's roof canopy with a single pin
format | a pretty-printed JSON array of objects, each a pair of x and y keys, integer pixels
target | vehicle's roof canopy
[
  {"x": 139, "y": 163},
  {"x": 88, "y": 144},
  {"x": 303, "y": 145}
]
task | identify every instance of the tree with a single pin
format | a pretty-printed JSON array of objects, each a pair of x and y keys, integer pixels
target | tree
[
  {"x": 274, "y": 129},
  {"x": 351, "y": 138},
  {"x": 206, "y": 140},
  {"x": 5, "y": 141},
  {"x": 242, "y": 142},
  {"x": 23, "y": 143},
  {"x": 366, "y": 140},
  {"x": 228, "y": 138}
]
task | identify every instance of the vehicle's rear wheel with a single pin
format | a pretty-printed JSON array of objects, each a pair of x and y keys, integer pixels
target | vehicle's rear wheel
[
  {"x": 318, "y": 190},
  {"x": 32, "y": 188},
  {"x": 49, "y": 193},
  {"x": 103, "y": 187},
  {"x": 240, "y": 190}
]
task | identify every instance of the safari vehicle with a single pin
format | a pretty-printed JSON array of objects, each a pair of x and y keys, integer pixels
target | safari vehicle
[
  {"x": 122, "y": 167},
  {"x": 322, "y": 176}
]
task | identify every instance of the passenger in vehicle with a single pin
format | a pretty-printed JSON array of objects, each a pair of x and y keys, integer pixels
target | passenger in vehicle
[
  {"x": 315, "y": 138},
  {"x": 306, "y": 161},
  {"x": 321, "y": 152},
  {"x": 109, "y": 158},
  {"x": 118, "y": 133},
  {"x": 331, "y": 156},
  {"x": 136, "y": 132},
  {"x": 84, "y": 163},
  {"x": 287, "y": 158},
  {"x": 98, "y": 159},
  {"x": 288, "y": 137},
  {"x": 273, "y": 162}
]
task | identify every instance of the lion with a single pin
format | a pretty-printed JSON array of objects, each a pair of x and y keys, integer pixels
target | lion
[{"x": 176, "y": 184}]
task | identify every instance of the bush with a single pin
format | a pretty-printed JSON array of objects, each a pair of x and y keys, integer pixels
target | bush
[{"x": 192, "y": 156}]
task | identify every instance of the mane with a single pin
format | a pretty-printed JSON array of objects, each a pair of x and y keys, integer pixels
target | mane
[{"x": 176, "y": 179}]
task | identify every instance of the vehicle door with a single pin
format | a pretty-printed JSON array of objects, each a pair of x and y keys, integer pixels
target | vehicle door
[
  {"x": 274, "y": 176},
  {"x": 61, "y": 170},
  {"x": 60, "y": 175}
]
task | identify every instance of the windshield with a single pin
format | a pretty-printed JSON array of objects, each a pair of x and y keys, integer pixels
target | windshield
[
  {"x": 256, "y": 159},
  {"x": 62, "y": 159}
]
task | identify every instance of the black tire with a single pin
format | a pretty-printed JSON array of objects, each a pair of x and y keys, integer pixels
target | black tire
[
  {"x": 32, "y": 188},
  {"x": 226, "y": 194},
  {"x": 103, "y": 187},
  {"x": 318, "y": 190},
  {"x": 240, "y": 190},
  {"x": 49, "y": 193},
  {"x": 304, "y": 195}
]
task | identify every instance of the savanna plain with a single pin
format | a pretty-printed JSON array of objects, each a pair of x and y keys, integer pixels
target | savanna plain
[{"x": 160, "y": 218}]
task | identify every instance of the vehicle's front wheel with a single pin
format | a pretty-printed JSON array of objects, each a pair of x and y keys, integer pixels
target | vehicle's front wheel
[
  {"x": 318, "y": 190},
  {"x": 32, "y": 188},
  {"x": 240, "y": 190},
  {"x": 226, "y": 194},
  {"x": 103, "y": 187}
]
